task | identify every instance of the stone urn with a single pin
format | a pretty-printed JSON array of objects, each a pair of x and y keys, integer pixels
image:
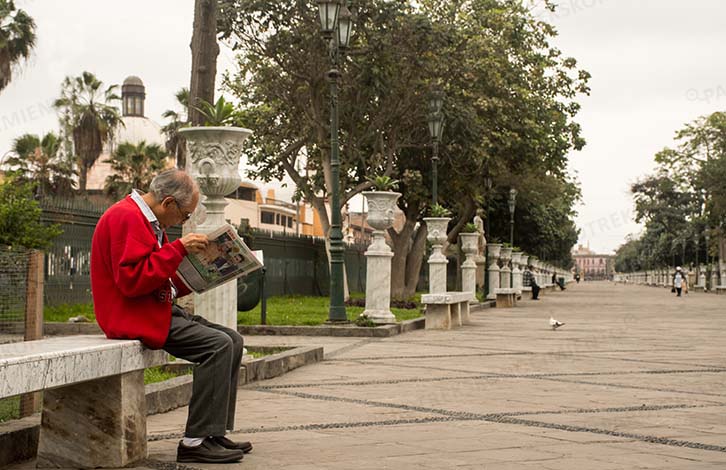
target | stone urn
[
  {"x": 469, "y": 243},
  {"x": 381, "y": 214},
  {"x": 437, "y": 261},
  {"x": 213, "y": 155}
]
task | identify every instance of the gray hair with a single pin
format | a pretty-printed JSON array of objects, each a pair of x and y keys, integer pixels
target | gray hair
[{"x": 175, "y": 183}]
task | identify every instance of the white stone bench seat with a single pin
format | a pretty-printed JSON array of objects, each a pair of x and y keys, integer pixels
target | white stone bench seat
[
  {"x": 506, "y": 297},
  {"x": 94, "y": 407},
  {"x": 446, "y": 309},
  {"x": 32, "y": 366}
]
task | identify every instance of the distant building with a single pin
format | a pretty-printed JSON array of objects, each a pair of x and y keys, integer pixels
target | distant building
[{"x": 593, "y": 266}]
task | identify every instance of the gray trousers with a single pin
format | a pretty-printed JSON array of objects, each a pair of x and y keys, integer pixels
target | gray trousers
[{"x": 217, "y": 353}]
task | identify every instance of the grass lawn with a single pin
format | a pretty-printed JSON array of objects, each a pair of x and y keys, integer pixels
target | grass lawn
[
  {"x": 158, "y": 374},
  {"x": 291, "y": 310},
  {"x": 9, "y": 408},
  {"x": 61, "y": 313},
  {"x": 304, "y": 310}
]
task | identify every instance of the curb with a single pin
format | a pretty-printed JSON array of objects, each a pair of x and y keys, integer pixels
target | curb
[
  {"x": 19, "y": 437},
  {"x": 383, "y": 331}
]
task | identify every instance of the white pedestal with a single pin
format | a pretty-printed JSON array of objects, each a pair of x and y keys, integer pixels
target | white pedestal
[{"x": 378, "y": 281}]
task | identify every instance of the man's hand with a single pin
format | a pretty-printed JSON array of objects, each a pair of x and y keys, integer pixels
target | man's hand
[{"x": 195, "y": 242}]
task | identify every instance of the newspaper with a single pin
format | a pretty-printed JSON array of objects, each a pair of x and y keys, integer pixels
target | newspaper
[{"x": 225, "y": 258}]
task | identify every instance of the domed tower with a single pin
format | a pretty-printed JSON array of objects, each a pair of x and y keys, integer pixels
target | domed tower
[{"x": 133, "y": 94}]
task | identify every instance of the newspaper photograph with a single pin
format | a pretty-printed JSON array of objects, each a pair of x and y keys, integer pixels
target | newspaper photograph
[{"x": 225, "y": 258}]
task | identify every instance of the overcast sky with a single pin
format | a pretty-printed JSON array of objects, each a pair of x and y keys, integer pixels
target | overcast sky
[{"x": 655, "y": 65}]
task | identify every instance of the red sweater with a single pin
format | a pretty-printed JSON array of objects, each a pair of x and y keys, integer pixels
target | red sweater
[{"x": 130, "y": 276}]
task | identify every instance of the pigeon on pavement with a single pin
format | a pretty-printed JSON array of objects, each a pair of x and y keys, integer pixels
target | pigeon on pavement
[{"x": 555, "y": 323}]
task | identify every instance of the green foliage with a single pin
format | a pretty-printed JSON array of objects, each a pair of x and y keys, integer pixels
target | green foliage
[
  {"x": 469, "y": 228},
  {"x": 364, "y": 321},
  {"x": 221, "y": 113},
  {"x": 383, "y": 183},
  {"x": 134, "y": 166},
  {"x": 39, "y": 160},
  {"x": 20, "y": 224},
  {"x": 17, "y": 39},
  {"x": 437, "y": 210},
  {"x": 159, "y": 374},
  {"x": 61, "y": 313},
  {"x": 9, "y": 409}
]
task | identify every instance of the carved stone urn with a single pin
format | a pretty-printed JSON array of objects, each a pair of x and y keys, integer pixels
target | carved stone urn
[
  {"x": 437, "y": 261},
  {"x": 214, "y": 154},
  {"x": 381, "y": 214}
]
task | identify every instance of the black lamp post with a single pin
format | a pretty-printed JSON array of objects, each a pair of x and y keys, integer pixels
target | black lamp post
[
  {"x": 512, "y": 205},
  {"x": 436, "y": 128},
  {"x": 698, "y": 267},
  {"x": 335, "y": 26},
  {"x": 488, "y": 184}
]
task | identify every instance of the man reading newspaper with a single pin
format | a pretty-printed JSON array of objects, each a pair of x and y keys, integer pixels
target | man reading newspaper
[{"x": 134, "y": 282}]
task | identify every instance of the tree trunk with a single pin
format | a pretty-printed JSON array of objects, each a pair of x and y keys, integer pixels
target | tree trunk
[
  {"x": 408, "y": 250},
  {"x": 415, "y": 261},
  {"x": 204, "y": 57}
]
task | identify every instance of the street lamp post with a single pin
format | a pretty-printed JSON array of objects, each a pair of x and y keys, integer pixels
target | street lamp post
[
  {"x": 698, "y": 267},
  {"x": 512, "y": 205},
  {"x": 436, "y": 128},
  {"x": 336, "y": 25},
  {"x": 488, "y": 184}
]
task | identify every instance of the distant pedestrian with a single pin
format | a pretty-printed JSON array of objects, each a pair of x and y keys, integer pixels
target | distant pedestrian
[
  {"x": 678, "y": 280},
  {"x": 577, "y": 277},
  {"x": 557, "y": 282},
  {"x": 528, "y": 280}
]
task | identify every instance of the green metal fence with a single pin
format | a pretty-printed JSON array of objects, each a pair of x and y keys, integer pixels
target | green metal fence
[{"x": 295, "y": 264}]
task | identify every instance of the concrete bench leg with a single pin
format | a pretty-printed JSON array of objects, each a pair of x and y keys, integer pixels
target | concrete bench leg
[
  {"x": 455, "y": 314},
  {"x": 464, "y": 309},
  {"x": 438, "y": 317},
  {"x": 101, "y": 423}
]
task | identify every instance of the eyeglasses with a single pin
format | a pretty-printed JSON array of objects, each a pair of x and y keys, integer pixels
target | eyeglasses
[{"x": 186, "y": 216}]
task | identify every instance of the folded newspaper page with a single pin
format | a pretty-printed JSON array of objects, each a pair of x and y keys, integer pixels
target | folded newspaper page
[{"x": 226, "y": 258}]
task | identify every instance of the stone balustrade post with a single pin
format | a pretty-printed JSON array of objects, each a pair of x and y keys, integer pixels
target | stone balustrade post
[
  {"x": 517, "y": 260},
  {"x": 470, "y": 246},
  {"x": 437, "y": 261},
  {"x": 505, "y": 274},
  {"x": 493, "y": 274}
]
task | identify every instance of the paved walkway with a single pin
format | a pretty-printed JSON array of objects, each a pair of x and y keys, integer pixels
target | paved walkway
[{"x": 635, "y": 379}]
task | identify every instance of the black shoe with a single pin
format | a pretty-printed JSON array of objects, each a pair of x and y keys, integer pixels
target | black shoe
[
  {"x": 207, "y": 452},
  {"x": 245, "y": 446}
]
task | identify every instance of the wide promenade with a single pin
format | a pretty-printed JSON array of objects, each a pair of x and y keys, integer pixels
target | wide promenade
[{"x": 635, "y": 379}]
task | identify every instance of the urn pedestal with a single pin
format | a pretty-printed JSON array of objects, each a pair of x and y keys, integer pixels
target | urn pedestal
[
  {"x": 437, "y": 261},
  {"x": 381, "y": 208}
]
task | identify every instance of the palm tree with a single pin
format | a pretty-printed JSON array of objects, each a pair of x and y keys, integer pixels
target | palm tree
[
  {"x": 89, "y": 118},
  {"x": 39, "y": 160},
  {"x": 175, "y": 143},
  {"x": 17, "y": 39},
  {"x": 133, "y": 166}
]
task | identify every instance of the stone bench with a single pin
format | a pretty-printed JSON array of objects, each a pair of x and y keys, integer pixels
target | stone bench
[
  {"x": 506, "y": 298},
  {"x": 446, "y": 309},
  {"x": 94, "y": 409}
]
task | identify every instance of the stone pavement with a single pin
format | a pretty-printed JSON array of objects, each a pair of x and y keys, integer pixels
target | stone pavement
[{"x": 635, "y": 379}]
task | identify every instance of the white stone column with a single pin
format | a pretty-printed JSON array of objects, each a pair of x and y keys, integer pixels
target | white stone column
[
  {"x": 214, "y": 153},
  {"x": 381, "y": 214},
  {"x": 493, "y": 251},
  {"x": 714, "y": 277},
  {"x": 469, "y": 245},
  {"x": 505, "y": 274},
  {"x": 517, "y": 258},
  {"x": 437, "y": 261}
]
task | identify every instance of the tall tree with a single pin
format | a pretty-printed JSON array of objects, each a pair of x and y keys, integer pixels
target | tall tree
[
  {"x": 510, "y": 102},
  {"x": 89, "y": 117},
  {"x": 40, "y": 160},
  {"x": 134, "y": 166},
  {"x": 20, "y": 224},
  {"x": 175, "y": 142},
  {"x": 205, "y": 50},
  {"x": 17, "y": 39}
]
